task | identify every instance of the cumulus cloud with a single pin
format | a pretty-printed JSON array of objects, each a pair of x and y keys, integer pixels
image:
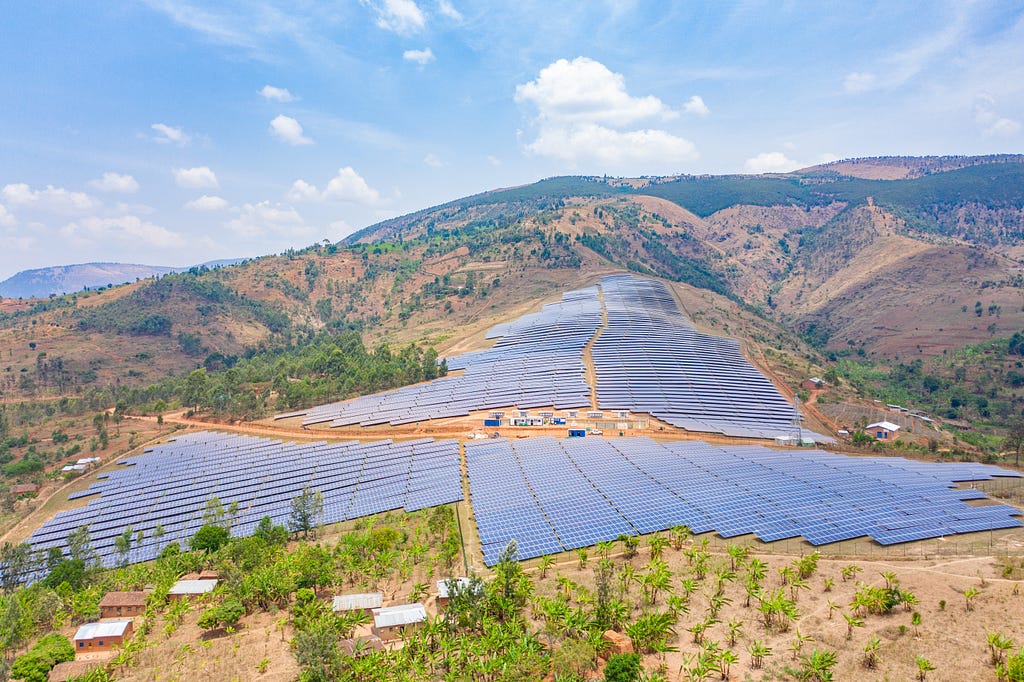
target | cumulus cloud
[
  {"x": 403, "y": 17},
  {"x": 207, "y": 203},
  {"x": 195, "y": 178},
  {"x": 771, "y": 162},
  {"x": 127, "y": 228},
  {"x": 166, "y": 134},
  {"x": 988, "y": 118},
  {"x": 6, "y": 219},
  {"x": 586, "y": 114},
  {"x": 52, "y": 199},
  {"x": 434, "y": 161},
  {"x": 115, "y": 182},
  {"x": 446, "y": 9},
  {"x": 695, "y": 105},
  {"x": 263, "y": 218},
  {"x": 586, "y": 90},
  {"x": 289, "y": 130},
  {"x": 347, "y": 185},
  {"x": 276, "y": 94},
  {"x": 421, "y": 57}
]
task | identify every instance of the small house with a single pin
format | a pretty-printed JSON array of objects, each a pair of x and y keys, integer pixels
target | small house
[
  {"x": 123, "y": 604},
  {"x": 812, "y": 384},
  {"x": 443, "y": 589},
  {"x": 102, "y": 636},
  {"x": 366, "y": 602},
  {"x": 882, "y": 430},
  {"x": 391, "y": 622},
  {"x": 191, "y": 588}
]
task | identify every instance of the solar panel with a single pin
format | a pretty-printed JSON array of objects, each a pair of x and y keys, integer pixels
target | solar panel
[{"x": 554, "y": 495}]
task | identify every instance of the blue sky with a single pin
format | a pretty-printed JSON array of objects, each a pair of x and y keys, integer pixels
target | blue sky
[{"x": 173, "y": 132}]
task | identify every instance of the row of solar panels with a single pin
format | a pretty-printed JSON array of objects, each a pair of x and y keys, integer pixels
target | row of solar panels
[
  {"x": 554, "y": 495},
  {"x": 163, "y": 493},
  {"x": 648, "y": 359}
]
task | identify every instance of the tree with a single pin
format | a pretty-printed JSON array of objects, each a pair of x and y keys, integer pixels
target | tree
[
  {"x": 1015, "y": 439},
  {"x": 270, "y": 533},
  {"x": 36, "y": 665},
  {"x": 197, "y": 386},
  {"x": 210, "y": 538},
  {"x": 573, "y": 660},
  {"x": 307, "y": 509},
  {"x": 16, "y": 562},
  {"x": 224, "y": 615},
  {"x": 80, "y": 546},
  {"x": 622, "y": 668}
]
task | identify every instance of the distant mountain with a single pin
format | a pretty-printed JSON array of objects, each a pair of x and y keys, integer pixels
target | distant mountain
[{"x": 68, "y": 279}]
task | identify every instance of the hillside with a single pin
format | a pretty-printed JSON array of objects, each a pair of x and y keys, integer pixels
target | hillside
[
  {"x": 68, "y": 279},
  {"x": 890, "y": 268}
]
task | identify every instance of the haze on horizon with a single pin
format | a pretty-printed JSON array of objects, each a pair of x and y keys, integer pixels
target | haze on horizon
[{"x": 174, "y": 132}]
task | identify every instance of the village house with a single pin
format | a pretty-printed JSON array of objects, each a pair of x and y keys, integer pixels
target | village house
[
  {"x": 123, "y": 604},
  {"x": 882, "y": 430},
  {"x": 102, "y": 636},
  {"x": 365, "y": 602},
  {"x": 392, "y": 622}
]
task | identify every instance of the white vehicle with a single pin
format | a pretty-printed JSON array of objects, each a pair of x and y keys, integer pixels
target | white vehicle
[{"x": 596, "y": 432}]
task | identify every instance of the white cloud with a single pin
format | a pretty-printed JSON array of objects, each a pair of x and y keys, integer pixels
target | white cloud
[
  {"x": 586, "y": 90},
  {"x": 115, "y": 182},
  {"x": 53, "y": 199},
  {"x": 991, "y": 123},
  {"x": 434, "y": 161},
  {"x": 695, "y": 105},
  {"x": 582, "y": 108},
  {"x": 446, "y": 9},
  {"x": 207, "y": 203},
  {"x": 400, "y": 16},
  {"x": 347, "y": 185},
  {"x": 288, "y": 129},
  {"x": 771, "y": 162},
  {"x": 195, "y": 178},
  {"x": 168, "y": 134},
  {"x": 127, "y": 228},
  {"x": 493, "y": 160},
  {"x": 6, "y": 219},
  {"x": 421, "y": 57},
  {"x": 263, "y": 218},
  {"x": 611, "y": 148},
  {"x": 276, "y": 94}
]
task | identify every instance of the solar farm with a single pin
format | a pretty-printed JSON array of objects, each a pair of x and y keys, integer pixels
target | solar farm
[
  {"x": 555, "y": 495},
  {"x": 647, "y": 357},
  {"x": 168, "y": 487}
]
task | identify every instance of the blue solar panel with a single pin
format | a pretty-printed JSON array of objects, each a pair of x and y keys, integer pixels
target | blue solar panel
[
  {"x": 552, "y": 495},
  {"x": 168, "y": 487}
]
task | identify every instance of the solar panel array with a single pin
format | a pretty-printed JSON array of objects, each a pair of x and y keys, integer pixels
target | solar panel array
[
  {"x": 688, "y": 379},
  {"x": 536, "y": 362},
  {"x": 647, "y": 359},
  {"x": 554, "y": 495},
  {"x": 169, "y": 486}
]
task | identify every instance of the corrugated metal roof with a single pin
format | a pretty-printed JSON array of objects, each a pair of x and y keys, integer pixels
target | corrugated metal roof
[
  {"x": 367, "y": 600},
  {"x": 193, "y": 587},
  {"x": 888, "y": 426},
  {"x": 392, "y": 616},
  {"x": 442, "y": 586},
  {"x": 107, "y": 628}
]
